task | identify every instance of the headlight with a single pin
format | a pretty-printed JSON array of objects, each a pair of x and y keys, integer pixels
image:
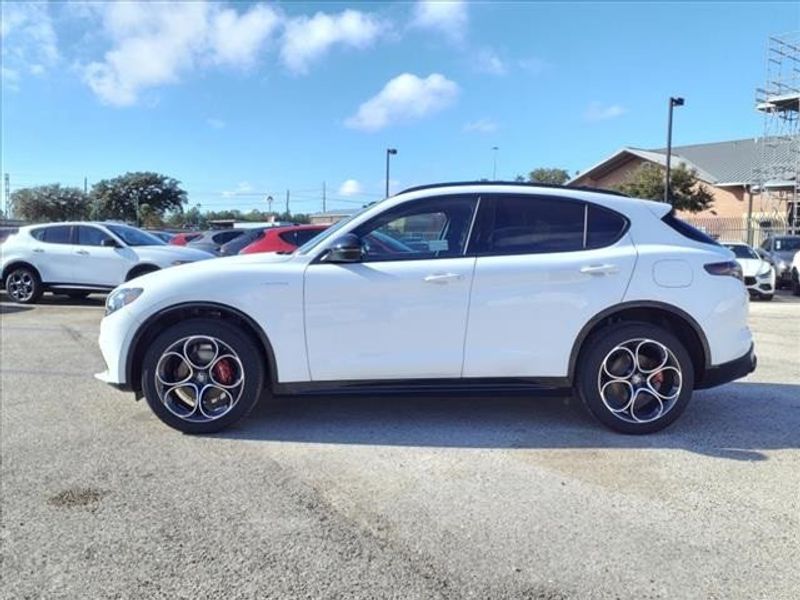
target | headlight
[
  {"x": 764, "y": 269},
  {"x": 121, "y": 297},
  {"x": 782, "y": 266},
  {"x": 175, "y": 263}
]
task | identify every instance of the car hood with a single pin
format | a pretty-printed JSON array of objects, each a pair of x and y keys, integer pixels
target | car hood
[
  {"x": 170, "y": 252},
  {"x": 750, "y": 266},
  {"x": 785, "y": 255}
]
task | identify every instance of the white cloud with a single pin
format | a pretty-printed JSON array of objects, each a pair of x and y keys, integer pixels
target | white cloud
[
  {"x": 216, "y": 123},
  {"x": 488, "y": 61},
  {"x": 244, "y": 187},
  {"x": 602, "y": 112},
  {"x": 533, "y": 65},
  {"x": 481, "y": 126},
  {"x": 155, "y": 44},
  {"x": 308, "y": 39},
  {"x": 28, "y": 38},
  {"x": 445, "y": 16},
  {"x": 404, "y": 98},
  {"x": 351, "y": 187},
  {"x": 10, "y": 79}
]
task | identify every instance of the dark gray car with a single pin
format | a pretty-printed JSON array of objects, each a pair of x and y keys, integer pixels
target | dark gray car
[
  {"x": 779, "y": 250},
  {"x": 211, "y": 241}
]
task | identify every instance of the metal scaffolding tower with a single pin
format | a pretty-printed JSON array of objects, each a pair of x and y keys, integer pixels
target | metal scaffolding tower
[{"x": 778, "y": 174}]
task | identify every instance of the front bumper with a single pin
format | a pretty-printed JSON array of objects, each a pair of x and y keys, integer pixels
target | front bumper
[{"x": 729, "y": 371}]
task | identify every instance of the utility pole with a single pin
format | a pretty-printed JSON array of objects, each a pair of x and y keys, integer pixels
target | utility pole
[
  {"x": 269, "y": 204},
  {"x": 288, "y": 214},
  {"x": 673, "y": 102},
  {"x": 85, "y": 184},
  {"x": 324, "y": 198},
  {"x": 494, "y": 163},
  {"x": 7, "y": 196},
  {"x": 389, "y": 152}
]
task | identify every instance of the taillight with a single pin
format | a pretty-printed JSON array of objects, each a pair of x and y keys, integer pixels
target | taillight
[{"x": 730, "y": 268}]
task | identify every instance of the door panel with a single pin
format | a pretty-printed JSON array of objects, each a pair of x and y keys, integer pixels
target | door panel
[
  {"x": 96, "y": 264},
  {"x": 53, "y": 254},
  {"x": 387, "y": 320},
  {"x": 526, "y": 310}
]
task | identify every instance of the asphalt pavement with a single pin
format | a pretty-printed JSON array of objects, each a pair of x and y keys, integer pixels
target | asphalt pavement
[{"x": 409, "y": 497}]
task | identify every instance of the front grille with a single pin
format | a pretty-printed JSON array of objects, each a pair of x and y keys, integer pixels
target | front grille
[{"x": 749, "y": 280}]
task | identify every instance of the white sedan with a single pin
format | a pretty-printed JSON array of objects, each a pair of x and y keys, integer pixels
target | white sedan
[
  {"x": 79, "y": 258},
  {"x": 759, "y": 274}
]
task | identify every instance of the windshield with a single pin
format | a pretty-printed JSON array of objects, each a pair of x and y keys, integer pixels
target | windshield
[
  {"x": 741, "y": 251},
  {"x": 784, "y": 244},
  {"x": 326, "y": 234},
  {"x": 134, "y": 237}
]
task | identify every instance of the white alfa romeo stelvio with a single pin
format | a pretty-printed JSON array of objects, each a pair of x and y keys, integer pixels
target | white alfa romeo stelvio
[{"x": 487, "y": 287}]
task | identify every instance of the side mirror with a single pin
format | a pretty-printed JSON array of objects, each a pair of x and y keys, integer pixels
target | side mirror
[
  {"x": 109, "y": 243},
  {"x": 346, "y": 249}
]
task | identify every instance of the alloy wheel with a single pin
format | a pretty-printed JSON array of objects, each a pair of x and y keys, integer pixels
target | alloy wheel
[
  {"x": 20, "y": 285},
  {"x": 199, "y": 378},
  {"x": 640, "y": 380}
]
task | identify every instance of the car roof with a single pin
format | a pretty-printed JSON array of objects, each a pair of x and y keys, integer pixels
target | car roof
[{"x": 521, "y": 184}]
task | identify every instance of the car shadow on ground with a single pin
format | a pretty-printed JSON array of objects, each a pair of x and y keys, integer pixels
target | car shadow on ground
[
  {"x": 737, "y": 421},
  {"x": 55, "y": 300},
  {"x": 10, "y": 309}
]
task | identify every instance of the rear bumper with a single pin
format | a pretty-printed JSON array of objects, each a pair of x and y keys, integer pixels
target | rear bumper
[{"x": 729, "y": 371}]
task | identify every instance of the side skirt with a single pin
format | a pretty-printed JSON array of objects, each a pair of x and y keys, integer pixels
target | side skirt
[{"x": 544, "y": 386}]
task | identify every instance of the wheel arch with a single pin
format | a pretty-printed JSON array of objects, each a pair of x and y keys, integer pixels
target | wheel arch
[
  {"x": 141, "y": 269},
  {"x": 169, "y": 316},
  {"x": 16, "y": 264},
  {"x": 665, "y": 315}
]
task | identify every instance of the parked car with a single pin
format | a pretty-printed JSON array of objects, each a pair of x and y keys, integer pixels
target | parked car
[
  {"x": 236, "y": 244},
  {"x": 79, "y": 258},
  {"x": 519, "y": 287},
  {"x": 795, "y": 274},
  {"x": 212, "y": 241},
  {"x": 164, "y": 236},
  {"x": 779, "y": 250},
  {"x": 181, "y": 239},
  {"x": 283, "y": 239},
  {"x": 759, "y": 274}
]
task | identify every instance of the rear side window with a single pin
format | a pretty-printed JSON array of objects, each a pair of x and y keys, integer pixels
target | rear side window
[
  {"x": 530, "y": 225},
  {"x": 226, "y": 236},
  {"x": 687, "y": 230},
  {"x": 58, "y": 234},
  {"x": 603, "y": 227},
  {"x": 289, "y": 237},
  {"x": 304, "y": 235}
]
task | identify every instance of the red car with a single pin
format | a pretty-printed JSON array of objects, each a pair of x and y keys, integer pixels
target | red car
[
  {"x": 181, "y": 239},
  {"x": 283, "y": 239}
]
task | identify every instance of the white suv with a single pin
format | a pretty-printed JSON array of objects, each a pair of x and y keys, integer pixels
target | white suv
[
  {"x": 481, "y": 286},
  {"x": 79, "y": 258}
]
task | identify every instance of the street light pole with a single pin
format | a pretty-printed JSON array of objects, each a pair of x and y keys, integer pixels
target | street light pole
[
  {"x": 389, "y": 152},
  {"x": 673, "y": 102},
  {"x": 494, "y": 163}
]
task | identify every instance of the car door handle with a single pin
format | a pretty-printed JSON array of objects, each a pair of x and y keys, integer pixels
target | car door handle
[
  {"x": 443, "y": 277},
  {"x": 38, "y": 250},
  {"x": 82, "y": 252},
  {"x": 599, "y": 269}
]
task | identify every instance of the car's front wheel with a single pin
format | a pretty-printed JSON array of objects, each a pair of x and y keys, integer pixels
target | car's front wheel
[
  {"x": 635, "y": 377},
  {"x": 201, "y": 376}
]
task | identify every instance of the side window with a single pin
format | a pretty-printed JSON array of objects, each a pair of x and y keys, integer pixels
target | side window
[
  {"x": 91, "y": 236},
  {"x": 603, "y": 227},
  {"x": 305, "y": 235},
  {"x": 226, "y": 236},
  {"x": 59, "y": 234},
  {"x": 38, "y": 234},
  {"x": 289, "y": 237},
  {"x": 430, "y": 228},
  {"x": 530, "y": 225}
]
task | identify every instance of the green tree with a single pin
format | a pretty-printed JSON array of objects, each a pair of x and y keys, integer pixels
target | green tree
[
  {"x": 548, "y": 175},
  {"x": 688, "y": 193},
  {"x": 124, "y": 197},
  {"x": 50, "y": 203}
]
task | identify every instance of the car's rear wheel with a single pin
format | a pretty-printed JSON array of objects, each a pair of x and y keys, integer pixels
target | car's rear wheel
[
  {"x": 201, "y": 376},
  {"x": 24, "y": 286},
  {"x": 635, "y": 377}
]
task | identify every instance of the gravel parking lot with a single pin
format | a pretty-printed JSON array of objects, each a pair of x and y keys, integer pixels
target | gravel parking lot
[{"x": 392, "y": 497}]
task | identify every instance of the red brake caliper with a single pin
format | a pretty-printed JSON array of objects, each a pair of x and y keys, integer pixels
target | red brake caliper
[{"x": 223, "y": 371}]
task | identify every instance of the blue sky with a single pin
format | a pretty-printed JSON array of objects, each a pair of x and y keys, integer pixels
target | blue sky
[{"x": 244, "y": 100}]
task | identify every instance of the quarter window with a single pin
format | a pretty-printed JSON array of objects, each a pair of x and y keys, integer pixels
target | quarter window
[{"x": 603, "y": 227}]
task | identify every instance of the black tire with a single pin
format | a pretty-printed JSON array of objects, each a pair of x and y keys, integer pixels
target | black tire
[
  {"x": 766, "y": 297},
  {"x": 589, "y": 374},
  {"x": 23, "y": 285},
  {"x": 139, "y": 271},
  {"x": 252, "y": 367}
]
